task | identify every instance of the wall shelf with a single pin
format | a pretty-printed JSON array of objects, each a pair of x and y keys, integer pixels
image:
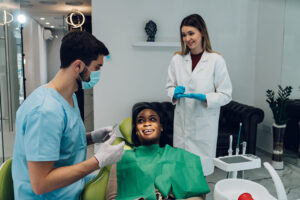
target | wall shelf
[{"x": 156, "y": 44}]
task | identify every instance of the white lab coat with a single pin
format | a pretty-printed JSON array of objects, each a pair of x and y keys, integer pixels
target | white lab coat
[{"x": 196, "y": 122}]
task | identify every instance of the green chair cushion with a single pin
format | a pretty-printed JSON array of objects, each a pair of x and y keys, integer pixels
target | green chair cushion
[
  {"x": 96, "y": 188},
  {"x": 119, "y": 140},
  {"x": 6, "y": 182},
  {"x": 126, "y": 129}
]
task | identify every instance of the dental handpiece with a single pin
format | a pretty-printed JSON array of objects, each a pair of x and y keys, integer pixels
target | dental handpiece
[
  {"x": 244, "y": 147},
  {"x": 237, "y": 149},
  {"x": 230, "y": 146}
]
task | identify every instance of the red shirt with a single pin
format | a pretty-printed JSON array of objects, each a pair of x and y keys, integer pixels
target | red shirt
[{"x": 195, "y": 59}]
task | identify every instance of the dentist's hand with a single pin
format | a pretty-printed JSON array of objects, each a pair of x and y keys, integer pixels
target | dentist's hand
[
  {"x": 201, "y": 97},
  {"x": 179, "y": 90},
  {"x": 101, "y": 134},
  {"x": 109, "y": 154}
]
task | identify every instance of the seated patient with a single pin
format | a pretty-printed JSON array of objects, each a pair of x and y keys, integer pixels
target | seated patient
[{"x": 153, "y": 169}]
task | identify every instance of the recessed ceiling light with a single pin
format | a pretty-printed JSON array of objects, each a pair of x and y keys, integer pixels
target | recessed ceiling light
[
  {"x": 74, "y": 3},
  {"x": 21, "y": 18},
  {"x": 48, "y": 2},
  {"x": 47, "y": 23},
  {"x": 52, "y": 26},
  {"x": 42, "y": 18}
]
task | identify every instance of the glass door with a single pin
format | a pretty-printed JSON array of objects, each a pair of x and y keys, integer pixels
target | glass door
[{"x": 11, "y": 79}]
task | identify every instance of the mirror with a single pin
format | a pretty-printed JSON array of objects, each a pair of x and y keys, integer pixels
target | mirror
[{"x": 291, "y": 73}]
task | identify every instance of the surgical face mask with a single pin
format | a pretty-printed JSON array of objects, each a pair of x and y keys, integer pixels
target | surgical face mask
[{"x": 94, "y": 79}]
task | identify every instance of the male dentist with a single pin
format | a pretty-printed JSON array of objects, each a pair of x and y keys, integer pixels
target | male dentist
[{"x": 50, "y": 146}]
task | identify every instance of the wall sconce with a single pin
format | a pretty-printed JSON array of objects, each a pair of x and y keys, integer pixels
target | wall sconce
[
  {"x": 75, "y": 22},
  {"x": 7, "y": 18}
]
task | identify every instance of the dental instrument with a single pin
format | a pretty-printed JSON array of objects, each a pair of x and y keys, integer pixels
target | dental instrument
[
  {"x": 237, "y": 149},
  {"x": 106, "y": 137},
  {"x": 244, "y": 145},
  {"x": 230, "y": 146}
]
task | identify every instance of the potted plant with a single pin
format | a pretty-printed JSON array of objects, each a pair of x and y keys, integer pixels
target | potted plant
[{"x": 278, "y": 103}]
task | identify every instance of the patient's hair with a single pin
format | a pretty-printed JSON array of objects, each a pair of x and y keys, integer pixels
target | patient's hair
[{"x": 166, "y": 135}]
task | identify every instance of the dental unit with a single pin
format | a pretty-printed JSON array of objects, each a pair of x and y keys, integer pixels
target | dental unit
[{"x": 232, "y": 187}]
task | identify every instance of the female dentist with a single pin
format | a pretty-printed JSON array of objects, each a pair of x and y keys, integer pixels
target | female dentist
[
  {"x": 199, "y": 84},
  {"x": 49, "y": 160}
]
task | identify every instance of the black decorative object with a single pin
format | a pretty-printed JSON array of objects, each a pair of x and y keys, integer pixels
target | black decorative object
[{"x": 151, "y": 29}]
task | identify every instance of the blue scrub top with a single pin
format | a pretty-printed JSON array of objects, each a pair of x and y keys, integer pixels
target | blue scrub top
[{"x": 48, "y": 128}]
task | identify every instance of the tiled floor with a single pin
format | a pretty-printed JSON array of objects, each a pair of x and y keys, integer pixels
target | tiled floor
[{"x": 290, "y": 177}]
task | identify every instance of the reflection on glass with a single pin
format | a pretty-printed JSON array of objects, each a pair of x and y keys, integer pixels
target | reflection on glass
[{"x": 11, "y": 87}]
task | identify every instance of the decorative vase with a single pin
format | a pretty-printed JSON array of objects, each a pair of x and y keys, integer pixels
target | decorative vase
[{"x": 278, "y": 135}]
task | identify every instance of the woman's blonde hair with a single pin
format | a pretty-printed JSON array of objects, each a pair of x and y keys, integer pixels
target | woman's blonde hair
[{"x": 196, "y": 21}]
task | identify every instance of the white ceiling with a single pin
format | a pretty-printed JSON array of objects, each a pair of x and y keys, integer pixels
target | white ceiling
[{"x": 53, "y": 11}]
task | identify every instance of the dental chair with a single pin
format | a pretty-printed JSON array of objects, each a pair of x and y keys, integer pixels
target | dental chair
[
  {"x": 96, "y": 188},
  {"x": 6, "y": 182}
]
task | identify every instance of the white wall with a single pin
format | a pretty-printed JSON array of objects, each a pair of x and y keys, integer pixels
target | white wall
[
  {"x": 35, "y": 56},
  {"x": 139, "y": 73},
  {"x": 53, "y": 58},
  {"x": 291, "y": 64},
  {"x": 269, "y": 52}
]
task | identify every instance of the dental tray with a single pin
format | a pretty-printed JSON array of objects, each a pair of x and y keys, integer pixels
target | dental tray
[{"x": 237, "y": 162}]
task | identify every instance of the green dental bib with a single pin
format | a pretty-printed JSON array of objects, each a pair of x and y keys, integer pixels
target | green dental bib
[{"x": 146, "y": 167}]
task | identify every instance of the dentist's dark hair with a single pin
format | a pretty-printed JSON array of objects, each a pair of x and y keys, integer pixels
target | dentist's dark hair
[
  {"x": 197, "y": 22},
  {"x": 80, "y": 45}
]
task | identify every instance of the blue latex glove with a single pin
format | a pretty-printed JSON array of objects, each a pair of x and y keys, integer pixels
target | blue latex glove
[
  {"x": 201, "y": 97},
  {"x": 179, "y": 90}
]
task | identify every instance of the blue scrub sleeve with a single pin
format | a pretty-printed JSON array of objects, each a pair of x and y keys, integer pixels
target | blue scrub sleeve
[{"x": 44, "y": 129}]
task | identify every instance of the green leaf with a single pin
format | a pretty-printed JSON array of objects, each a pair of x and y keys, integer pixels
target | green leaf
[{"x": 277, "y": 103}]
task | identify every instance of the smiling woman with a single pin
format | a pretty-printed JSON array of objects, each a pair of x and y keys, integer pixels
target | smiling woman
[
  {"x": 147, "y": 125},
  {"x": 153, "y": 164}
]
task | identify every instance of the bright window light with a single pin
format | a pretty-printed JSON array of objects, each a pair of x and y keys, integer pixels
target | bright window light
[{"x": 21, "y": 18}]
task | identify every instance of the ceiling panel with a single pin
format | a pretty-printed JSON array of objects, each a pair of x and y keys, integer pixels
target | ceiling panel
[{"x": 50, "y": 14}]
